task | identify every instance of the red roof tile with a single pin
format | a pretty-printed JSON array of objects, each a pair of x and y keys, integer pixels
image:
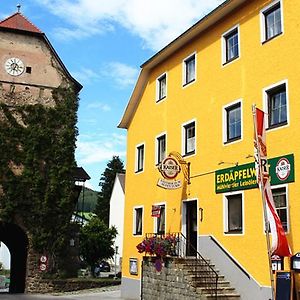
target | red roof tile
[{"x": 19, "y": 22}]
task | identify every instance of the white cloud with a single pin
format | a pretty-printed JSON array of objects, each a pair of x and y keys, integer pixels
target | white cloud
[
  {"x": 156, "y": 22},
  {"x": 99, "y": 105},
  {"x": 122, "y": 74},
  {"x": 85, "y": 75},
  {"x": 90, "y": 150}
]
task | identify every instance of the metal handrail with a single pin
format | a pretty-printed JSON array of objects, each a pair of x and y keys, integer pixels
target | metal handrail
[{"x": 205, "y": 274}]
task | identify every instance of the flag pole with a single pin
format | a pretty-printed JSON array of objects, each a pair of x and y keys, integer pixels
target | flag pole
[{"x": 262, "y": 190}]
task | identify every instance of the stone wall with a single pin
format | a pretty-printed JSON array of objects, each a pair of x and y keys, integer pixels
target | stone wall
[{"x": 170, "y": 283}]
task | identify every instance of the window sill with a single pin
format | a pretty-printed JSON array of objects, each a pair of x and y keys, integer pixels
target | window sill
[
  {"x": 187, "y": 83},
  {"x": 230, "y": 60},
  {"x": 139, "y": 171},
  {"x": 277, "y": 125},
  {"x": 234, "y": 232},
  {"x": 189, "y": 154},
  {"x": 161, "y": 99},
  {"x": 271, "y": 38},
  {"x": 232, "y": 140}
]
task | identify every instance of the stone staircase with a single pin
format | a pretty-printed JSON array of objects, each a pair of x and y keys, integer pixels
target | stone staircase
[{"x": 205, "y": 284}]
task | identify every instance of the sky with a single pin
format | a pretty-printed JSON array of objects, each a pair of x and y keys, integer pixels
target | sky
[{"x": 103, "y": 43}]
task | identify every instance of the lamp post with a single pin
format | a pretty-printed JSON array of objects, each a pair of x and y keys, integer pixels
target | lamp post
[{"x": 116, "y": 252}]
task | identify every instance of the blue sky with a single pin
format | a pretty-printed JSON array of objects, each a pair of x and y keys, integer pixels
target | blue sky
[{"x": 102, "y": 43}]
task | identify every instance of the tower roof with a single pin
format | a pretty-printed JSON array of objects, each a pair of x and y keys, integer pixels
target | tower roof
[{"x": 18, "y": 22}]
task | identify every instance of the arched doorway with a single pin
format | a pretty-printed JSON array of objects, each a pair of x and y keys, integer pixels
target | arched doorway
[{"x": 17, "y": 242}]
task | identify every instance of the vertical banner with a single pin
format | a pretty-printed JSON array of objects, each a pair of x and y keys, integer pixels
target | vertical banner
[{"x": 279, "y": 245}]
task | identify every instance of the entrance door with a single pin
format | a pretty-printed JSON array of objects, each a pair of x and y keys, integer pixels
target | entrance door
[{"x": 191, "y": 227}]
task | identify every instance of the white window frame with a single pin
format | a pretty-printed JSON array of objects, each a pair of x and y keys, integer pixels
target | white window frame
[
  {"x": 158, "y": 87},
  {"x": 184, "y": 64},
  {"x": 157, "y": 146},
  {"x": 266, "y": 92},
  {"x": 224, "y": 118},
  {"x": 224, "y": 45},
  {"x": 137, "y": 158},
  {"x": 155, "y": 219},
  {"x": 225, "y": 213},
  {"x": 183, "y": 138},
  {"x": 263, "y": 35},
  {"x": 134, "y": 231},
  {"x": 287, "y": 202}
]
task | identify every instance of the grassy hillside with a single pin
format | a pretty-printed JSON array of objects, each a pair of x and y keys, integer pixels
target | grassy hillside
[{"x": 87, "y": 200}]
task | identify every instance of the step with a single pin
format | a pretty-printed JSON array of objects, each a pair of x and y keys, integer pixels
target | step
[
  {"x": 229, "y": 296},
  {"x": 222, "y": 283}
]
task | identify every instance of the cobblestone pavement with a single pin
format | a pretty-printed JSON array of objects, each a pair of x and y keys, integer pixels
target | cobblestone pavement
[{"x": 93, "y": 294}]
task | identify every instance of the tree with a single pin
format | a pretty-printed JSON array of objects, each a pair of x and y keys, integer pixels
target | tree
[
  {"x": 107, "y": 180},
  {"x": 96, "y": 242}
]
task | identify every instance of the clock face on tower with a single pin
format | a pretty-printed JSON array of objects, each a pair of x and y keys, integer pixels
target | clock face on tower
[{"x": 14, "y": 66}]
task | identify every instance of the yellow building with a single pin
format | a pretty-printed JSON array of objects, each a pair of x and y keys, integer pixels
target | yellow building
[{"x": 194, "y": 99}]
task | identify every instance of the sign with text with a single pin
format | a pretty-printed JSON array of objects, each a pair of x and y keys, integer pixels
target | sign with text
[{"x": 244, "y": 176}]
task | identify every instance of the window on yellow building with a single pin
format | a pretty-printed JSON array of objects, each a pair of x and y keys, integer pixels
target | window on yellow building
[
  {"x": 189, "y": 69},
  {"x": 138, "y": 221},
  {"x": 231, "y": 45},
  {"x": 161, "y": 148},
  {"x": 280, "y": 200},
  {"x": 161, "y": 221},
  {"x": 234, "y": 213},
  {"x": 271, "y": 19},
  {"x": 140, "y": 157},
  {"x": 189, "y": 138},
  {"x": 161, "y": 87},
  {"x": 277, "y": 106},
  {"x": 233, "y": 122}
]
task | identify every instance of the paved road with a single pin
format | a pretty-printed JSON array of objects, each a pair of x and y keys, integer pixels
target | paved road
[{"x": 87, "y": 295}]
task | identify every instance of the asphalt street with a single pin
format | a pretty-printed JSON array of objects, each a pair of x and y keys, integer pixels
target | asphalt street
[{"x": 86, "y": 295}]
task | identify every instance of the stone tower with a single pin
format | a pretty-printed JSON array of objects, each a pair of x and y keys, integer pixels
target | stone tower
[{"x": 30, "y": 70}]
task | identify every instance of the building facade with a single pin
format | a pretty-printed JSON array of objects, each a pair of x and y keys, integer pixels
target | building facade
[{"x": 193, "y": 100}]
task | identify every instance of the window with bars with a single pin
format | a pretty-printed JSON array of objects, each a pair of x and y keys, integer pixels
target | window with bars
[
  {"x": 272, "y": 21},
  {"x": 231, "y": 45}
]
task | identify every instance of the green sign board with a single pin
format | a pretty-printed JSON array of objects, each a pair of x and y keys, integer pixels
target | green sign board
[{"x": 281, "y": 170}]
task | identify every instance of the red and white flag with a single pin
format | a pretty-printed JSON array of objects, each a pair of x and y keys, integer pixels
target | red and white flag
[{"x": 280, "y": 244}]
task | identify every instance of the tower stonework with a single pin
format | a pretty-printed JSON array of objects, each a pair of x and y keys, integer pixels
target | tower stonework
[{"x": 30, "y": 71}]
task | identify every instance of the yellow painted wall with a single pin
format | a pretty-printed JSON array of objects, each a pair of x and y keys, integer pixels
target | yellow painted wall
[{"x": 259, "y": 66}]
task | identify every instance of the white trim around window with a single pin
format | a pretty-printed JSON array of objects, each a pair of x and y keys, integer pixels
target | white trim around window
[
  {"x": 267, "y": 91},
  {"x": 186, "y": 142},
  {"x": 229, "y": 37},
  {"x": 189, "y": 70},
  {"x": 161, "y": 87},
  {"x": 137, "y": 229},
  {"x": 158, "y": 159},
  {"x": 140, "y": 150},
  {"x": 238, "y": 223},
  {"x": 155, "y": 219},
  {"x": 263, "y": 25},
  {"x": 227, "y": 140}
]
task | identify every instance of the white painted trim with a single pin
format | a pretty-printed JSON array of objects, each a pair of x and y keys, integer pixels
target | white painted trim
[
  {"x": 155, "y": 219},
  {"x": 136, "y": 158},
  {"x": 262, "y": 20},
  {"x": 224, "y": 48},
  {"x": 134, "y": 220},
  {"x": 225, "y": 213},
  {"x": 224, "y": 122},
  {"x": 183, "y": 138},
  {"x": 157, "y": 99},
  {"x": 184, "y": 83},
  {"x": 265, "y": 103},
  {"x": 156, "y": 146}
]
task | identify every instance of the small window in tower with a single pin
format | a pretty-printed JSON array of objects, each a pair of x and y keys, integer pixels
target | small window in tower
[{"x": 28, "y": 70}]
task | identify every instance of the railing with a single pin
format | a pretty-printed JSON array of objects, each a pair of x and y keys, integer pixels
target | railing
[{"x": 204, "y": 274}]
